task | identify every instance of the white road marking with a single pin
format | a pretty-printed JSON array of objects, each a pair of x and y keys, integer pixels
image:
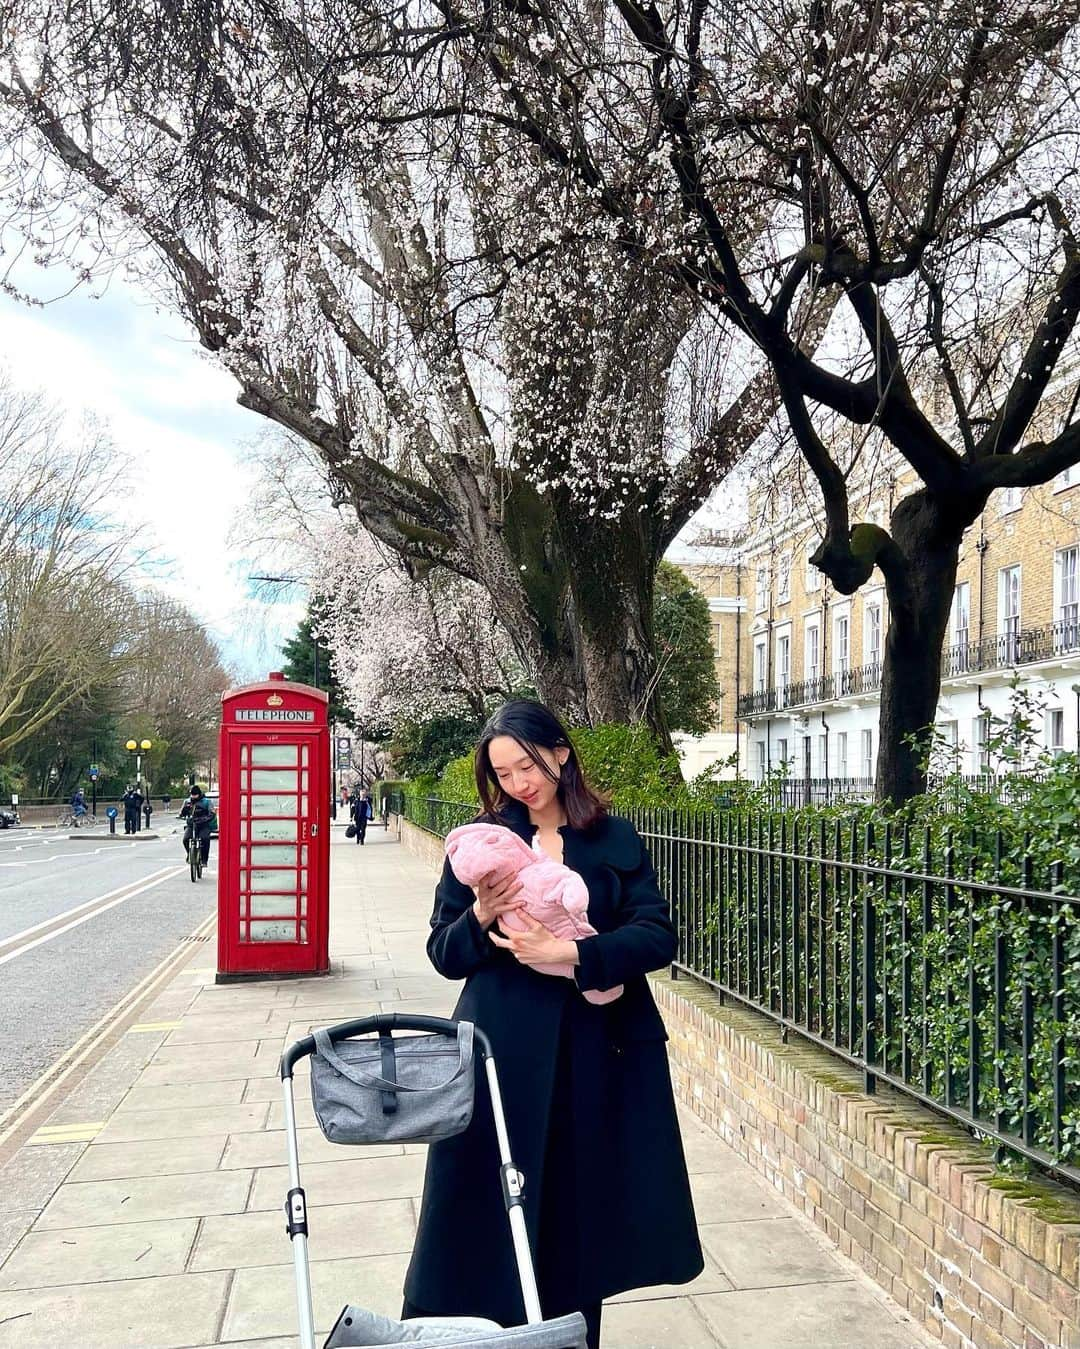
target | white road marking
[{"x": 95, "y": 906}]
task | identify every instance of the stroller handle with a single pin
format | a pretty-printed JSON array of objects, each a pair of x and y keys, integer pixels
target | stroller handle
[{"x": 382, "y": 1022}]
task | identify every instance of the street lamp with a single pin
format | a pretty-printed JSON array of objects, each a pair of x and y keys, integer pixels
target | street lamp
[{"x": 138, "y": 748}]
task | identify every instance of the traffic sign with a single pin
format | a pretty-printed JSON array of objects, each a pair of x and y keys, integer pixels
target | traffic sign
[
  {"x": 93, "y": 775},
  {"x": 94, "y": 770}
]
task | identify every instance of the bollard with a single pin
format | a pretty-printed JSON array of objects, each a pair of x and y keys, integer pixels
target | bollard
[{"x": 111, "y": 813}]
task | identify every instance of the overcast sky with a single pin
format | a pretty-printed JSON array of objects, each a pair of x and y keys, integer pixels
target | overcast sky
[{"x": 174, "y": 420}]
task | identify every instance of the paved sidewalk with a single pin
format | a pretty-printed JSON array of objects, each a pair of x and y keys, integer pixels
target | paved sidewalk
[{"x": 147, "y": 1213}]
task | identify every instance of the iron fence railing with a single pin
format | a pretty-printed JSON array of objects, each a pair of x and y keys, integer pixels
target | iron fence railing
[
  {"x": 1004, "y": 651},
  {"x": 948, "y": 967}
]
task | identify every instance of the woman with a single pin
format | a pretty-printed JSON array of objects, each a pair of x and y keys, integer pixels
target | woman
[{"x": 586, "y": 1088}]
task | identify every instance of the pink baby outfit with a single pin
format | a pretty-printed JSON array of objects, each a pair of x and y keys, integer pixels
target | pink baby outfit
[{"x": 551, "y": 893}]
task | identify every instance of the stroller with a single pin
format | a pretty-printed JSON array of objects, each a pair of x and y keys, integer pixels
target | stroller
[{"x": 374, "y": 1091}]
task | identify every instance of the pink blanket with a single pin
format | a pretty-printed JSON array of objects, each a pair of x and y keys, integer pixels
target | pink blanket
[{"x": 551, "y": 893}]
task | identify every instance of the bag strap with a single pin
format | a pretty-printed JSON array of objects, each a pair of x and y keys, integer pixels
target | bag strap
[
  {"x": 386, "y": 1085},
  {"x": 389, "y": 1071}
]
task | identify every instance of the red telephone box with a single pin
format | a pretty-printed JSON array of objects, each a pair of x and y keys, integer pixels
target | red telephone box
[{"x": 274, "y": 829}]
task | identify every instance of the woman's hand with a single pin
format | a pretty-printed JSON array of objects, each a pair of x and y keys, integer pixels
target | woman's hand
[
  {"x": 495, "y": 897},
  {"x": 537, "y": 945}
]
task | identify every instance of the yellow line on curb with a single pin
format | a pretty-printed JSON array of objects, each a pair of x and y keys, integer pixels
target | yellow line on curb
[{"x": 148, "y": 1026}]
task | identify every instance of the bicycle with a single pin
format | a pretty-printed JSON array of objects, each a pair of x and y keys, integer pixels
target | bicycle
[
  {"x": 194, "y": 852},
  {"x": 67, "y": 819}
]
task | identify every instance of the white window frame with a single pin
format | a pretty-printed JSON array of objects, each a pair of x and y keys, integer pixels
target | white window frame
[
  {"x": 874, "y": 604},
  {"x": 980, "y": 745},
  {"x": 813, "y": 578},
  {"x": 718, "y": 637},
  {"x": 812, "y": 669},
  {"x": 823, "y": 755},
  {"x": 841, "y": 652},
  {"x": 782, "y": 669},
  {"x": 1067, "y": 597},
  {"x": 866, "y": 753},
  {"x": 1054, "y": 726},
  {"x": 763, "y": 761},
  {"x": 1068, "y": 477},
  {"x": 782, "y": 757},
  {"x": 1010, "y": 499},
  {"x": 761, "y": 665},
  {"x": 761, "y": 589},
  {"x": 1010, "y": 601},
  {"x": 841, "y": 754}
]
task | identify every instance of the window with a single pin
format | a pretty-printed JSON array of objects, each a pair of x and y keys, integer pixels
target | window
[
  {"x": 812, "y": 583},
  {"x": 783, "y": 665},
  {"x": 812, "y": 651},
  {"x": 1010, "y": 499},
  {"x": 867, "y": 754},
  {"x": 762, "y": 761},
  {"x": 842, "y": 644},
  {"x": 1068, "y": 477},
  {"x": 781, "y": 753},
  {"x": 823, "y": 756},
  {"x": 717, "y": 638},
  {"x": 841, "y": 755},
  {"x": 960, "y": 626},
  {"x": 1009, "y": 602},
  {"x": 1067, "y": 585},
  {"x": 980, "y": 747},
  {"x": 783, "y": 579},
  {"x": 760, "y": 669},
  {"x": 1055, "y": 731},
  {"x": 761, "y": 590},
  {"x": 872, "y": 632}
]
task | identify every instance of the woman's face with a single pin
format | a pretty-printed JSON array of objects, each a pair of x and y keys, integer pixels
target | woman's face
[{"x": 520, "y": 776}]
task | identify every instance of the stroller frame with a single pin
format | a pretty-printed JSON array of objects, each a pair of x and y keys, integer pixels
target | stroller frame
[{"x": 296, "y": 1204}]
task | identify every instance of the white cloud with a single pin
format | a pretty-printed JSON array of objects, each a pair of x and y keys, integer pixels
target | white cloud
[{"x": 173, "y": 418}]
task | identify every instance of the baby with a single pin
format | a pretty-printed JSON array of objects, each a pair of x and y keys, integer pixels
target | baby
[{"x": 551, "y": 893}]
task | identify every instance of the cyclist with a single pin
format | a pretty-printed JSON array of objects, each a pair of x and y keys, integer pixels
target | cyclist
[
  {"x": 78, "y": 804},
  {"x": 199, "y": 814}
]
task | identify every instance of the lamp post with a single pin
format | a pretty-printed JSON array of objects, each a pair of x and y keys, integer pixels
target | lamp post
[{"x": 138, "y": 748}]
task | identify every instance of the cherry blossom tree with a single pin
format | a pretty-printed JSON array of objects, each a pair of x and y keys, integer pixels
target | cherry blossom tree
[
  {"x": 492, "y": 379},
  {"x": 916, "y": 163}
]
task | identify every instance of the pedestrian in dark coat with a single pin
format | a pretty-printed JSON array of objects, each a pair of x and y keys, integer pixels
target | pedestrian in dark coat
[
  {"x": 586, "y": 1088},
  {"x": 132, "y": 800},
  {"x": 361, "y": 811}
]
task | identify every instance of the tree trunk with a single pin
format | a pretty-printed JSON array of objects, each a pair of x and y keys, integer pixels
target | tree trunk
[{"x": 920, "y": 587}]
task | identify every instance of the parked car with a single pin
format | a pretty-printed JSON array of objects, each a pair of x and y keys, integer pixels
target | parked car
[{"x": 8, "y": 816}]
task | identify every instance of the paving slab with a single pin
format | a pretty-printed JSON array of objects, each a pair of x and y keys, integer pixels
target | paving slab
[
  {"x": 99, "y": 1254},
  {"x": 771, "y": 1253},
  {"x": 195, "y": 1095},
  {"x": 263, "y": 1301},
  {"x": 172, "y": 1312},
  {"x": 338, "y": 1231},
  {"x": 268, "y": 1148},
  {"x": 156, "y": 1157},
  {"x": 812, "y": 1316},
  {"x": 343, "y": 1182},
  {"x": 137, "y": 1125},
  {"x": 99, "y": 1203},
  {"x": 662, "y": 1323}
]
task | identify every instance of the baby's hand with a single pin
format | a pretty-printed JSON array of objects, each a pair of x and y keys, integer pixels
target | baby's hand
[{"x": 494, "y": 897}]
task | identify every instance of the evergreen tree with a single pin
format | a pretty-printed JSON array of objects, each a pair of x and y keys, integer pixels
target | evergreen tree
[
  {"x": 689, "y": 689},
  {"x": 307, "y": 661}
]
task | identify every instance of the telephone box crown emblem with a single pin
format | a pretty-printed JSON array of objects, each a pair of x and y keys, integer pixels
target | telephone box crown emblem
[{"x": 275, "y": 700}]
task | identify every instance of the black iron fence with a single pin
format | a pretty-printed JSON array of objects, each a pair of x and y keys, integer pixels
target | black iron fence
[
  {"x": 948, "y": 967},
  {"x": 1005, "y": 651}
]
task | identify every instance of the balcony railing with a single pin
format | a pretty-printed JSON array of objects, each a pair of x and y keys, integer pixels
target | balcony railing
[{"x": 1029, "y": 646}]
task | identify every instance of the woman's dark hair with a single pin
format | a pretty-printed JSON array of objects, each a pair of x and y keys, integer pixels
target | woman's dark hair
[{"x": 535, "y": 727}]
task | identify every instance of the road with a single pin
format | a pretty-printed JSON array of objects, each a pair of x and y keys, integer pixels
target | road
[{"x": 82, "y": 922}]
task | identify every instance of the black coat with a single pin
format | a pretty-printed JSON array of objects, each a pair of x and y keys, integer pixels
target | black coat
[{"x": 585, "y": 1088}]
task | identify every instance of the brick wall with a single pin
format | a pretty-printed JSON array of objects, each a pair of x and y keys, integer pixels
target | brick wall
[{"x": 981, "y": 1258}]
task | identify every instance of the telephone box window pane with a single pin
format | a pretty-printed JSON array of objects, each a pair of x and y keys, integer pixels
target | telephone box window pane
[
  {"x": 303, "y": 906},
  {"x": 245, "y": 754},
  {"x": 303, "y": 856},
  {"x": 272, "y": 906},
  {"x": 273, "y": 880},
  {"x": 303, "y": 932},
  {"x": 271, "y": 856},
  {"x": 273, "y": 805},
  {"x": 273, "y": 831},
  {"x": 274, "y": 779},
  {"x": 274, "y": 929},
  {"x": 273, "y": 754}
]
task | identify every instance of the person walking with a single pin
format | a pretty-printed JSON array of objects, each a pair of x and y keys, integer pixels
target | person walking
[
  {"x": 361, "y": 811},
  {"x": 132, "y": 800},
  {"x": 586, "y": 1088}
]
